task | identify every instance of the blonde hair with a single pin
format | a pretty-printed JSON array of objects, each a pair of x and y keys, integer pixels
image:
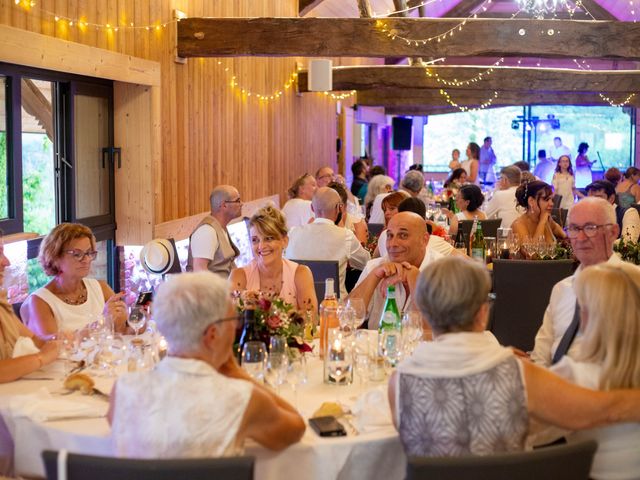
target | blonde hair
[
  {"x": 269, "y": 221},
  {"x": 299, "y": 182},
  {"x": 610, "y": 296},
  {"x": 53, "y": 245}
]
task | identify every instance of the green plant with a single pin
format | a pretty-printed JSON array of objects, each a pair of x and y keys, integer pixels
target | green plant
[{"x": 628, "y": 250}]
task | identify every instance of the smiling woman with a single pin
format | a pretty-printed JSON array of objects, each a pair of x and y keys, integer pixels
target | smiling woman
[
  {"x": 269, "y": 272},
  {"x": 70, "y": 299}
]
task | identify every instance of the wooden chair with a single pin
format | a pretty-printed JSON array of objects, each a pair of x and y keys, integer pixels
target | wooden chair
[
  {"x": 522, "y": 289},
  {"x": 80, "y": 467},
  {"x": 566, "y": 462},
  {"x": 321, "y": 270}
]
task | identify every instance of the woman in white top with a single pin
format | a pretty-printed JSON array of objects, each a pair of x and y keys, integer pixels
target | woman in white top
[
  {"x": 469, "y": 200},
  {"x": 379, "y": 187},
  {"x": 70, "y": 300},
  {"x": 609, "y": 299},
  {"x": 564, "y": 182},
  {"x": 472, "y": 164},
  {"x": 197, "y": 402}
]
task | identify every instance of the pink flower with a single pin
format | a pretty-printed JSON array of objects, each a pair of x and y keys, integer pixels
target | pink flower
[
  {"x": 264, "y": 304},
  {"x": 274, "y": 322}
]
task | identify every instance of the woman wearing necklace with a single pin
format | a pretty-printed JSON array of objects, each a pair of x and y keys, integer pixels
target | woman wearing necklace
[
  {"x": 70, "y": 300},
  {"x": 537, "y": 200}
]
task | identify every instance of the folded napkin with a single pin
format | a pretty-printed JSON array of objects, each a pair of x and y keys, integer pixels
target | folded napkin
[
  {"x": 24, "y": 346},
  {"x": 372, "y": 410},
  {"x": 44, "y": 407}
]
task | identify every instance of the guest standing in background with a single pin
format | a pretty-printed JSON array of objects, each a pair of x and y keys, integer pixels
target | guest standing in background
[
  {"x": 455, "y": 159},
  {"x": 487, "y": 160},
  {"x": 559, "y": 149},
  {"x": 564, "y": 183},
  {"x": 359, "y": 169},
  {"x": 583, "y": 166},
  {"x": 297, "y": 210},
  {"x": 545, "y": 167},
  {"x": 471, "y": 165}
]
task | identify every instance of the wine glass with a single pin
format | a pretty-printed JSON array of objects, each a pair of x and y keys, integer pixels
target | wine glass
[
  {"x": 359, "y": 311},
  {"x": 277, "y": 367},
  {"x": 411, "y": 330},
  {"x": 361, "y": 355},
  {"x": 346, "y": 316},
  {"x": 254, "y": 355},
  {"x": 277, "y": 345},
  {"x": 296, "y": 372},
  {"x": 137, "y": 318}
]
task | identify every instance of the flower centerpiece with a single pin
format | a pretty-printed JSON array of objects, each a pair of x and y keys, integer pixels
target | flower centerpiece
[
  {"x": 273, "y": 316},
  {"x": 628, "y": 250}
]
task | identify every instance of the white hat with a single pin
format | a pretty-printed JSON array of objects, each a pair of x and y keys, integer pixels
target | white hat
[{"x": 157, "y": 256}]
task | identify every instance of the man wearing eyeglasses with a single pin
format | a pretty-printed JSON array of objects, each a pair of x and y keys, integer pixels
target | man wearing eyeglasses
[
  {"x": 592, "y": 229},
  {"x": 210, "y": 247}
]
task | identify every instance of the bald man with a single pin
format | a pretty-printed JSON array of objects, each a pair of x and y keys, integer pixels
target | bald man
[
  {"x": 324, "y": 240},
  {"x": 407, "y": 254},
  {"x": 210, "y": 247}
]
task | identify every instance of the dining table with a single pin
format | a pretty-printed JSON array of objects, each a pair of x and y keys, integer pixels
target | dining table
[{"x": 371, "y": 449}]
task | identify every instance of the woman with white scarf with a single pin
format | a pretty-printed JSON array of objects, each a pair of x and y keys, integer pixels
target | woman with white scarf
[{"x": 465, "y": 394}]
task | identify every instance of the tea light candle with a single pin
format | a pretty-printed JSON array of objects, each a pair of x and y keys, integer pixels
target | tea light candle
[
  {"x": 163, "y": 346},
  {"x": 504, "y": 251}
]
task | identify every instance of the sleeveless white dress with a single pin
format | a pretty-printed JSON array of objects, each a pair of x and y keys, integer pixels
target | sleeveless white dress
[{"x": 183, "y": 408}]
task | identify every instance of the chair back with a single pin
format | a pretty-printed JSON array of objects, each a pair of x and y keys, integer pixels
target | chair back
[
  {"x": 568, "y": 462},
  {"x": 522, "y": 289},
  {"x": 80, "y": 467},
  {"x": 559, "y": 215},
  {"x": 16, "y": 309},
  {"x": 557, "y": 199},
  {"x": 489, "y": 227},
  {"x": 321, "y": 270},
  {"x": 375, "y": 228}
]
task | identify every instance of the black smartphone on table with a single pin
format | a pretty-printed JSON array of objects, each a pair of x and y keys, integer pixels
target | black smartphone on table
[{"x": 327, "y": 426}]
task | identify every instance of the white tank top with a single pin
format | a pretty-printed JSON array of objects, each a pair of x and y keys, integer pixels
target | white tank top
[{"x": 73, "y": 317}]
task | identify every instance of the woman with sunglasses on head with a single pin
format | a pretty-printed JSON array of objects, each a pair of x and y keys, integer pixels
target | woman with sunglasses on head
[
  {"x": 537, "y": 200},
  {"x": 70, "y": 300}
]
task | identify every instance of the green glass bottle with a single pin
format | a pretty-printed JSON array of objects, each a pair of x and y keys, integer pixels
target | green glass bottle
[
  {"x": 477, "y": 242},
  {"x": 390, "y": 318},
  {"x": 453, "y": 206}
]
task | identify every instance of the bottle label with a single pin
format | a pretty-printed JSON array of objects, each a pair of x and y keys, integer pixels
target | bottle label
[
  {"x": 477, "y": 253},
  {"x": 388, "y": 320}
]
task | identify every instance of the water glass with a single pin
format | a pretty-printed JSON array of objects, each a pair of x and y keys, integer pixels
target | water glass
[
  {"x": 296, "y": 372},
  {"x": 137, "y": 318},
  {"x": 411, "y": 331},
  {"x": 277, "y": 368},
  {"x": 338, "y": 360},
  {"x": 254, "y": 356},
  {"x": 346, "y": 317},
  {"x": 361, "y": 355}
]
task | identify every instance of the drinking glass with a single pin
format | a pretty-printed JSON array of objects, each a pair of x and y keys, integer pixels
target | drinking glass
[
  {"x": 254, "y": 355},
  {"x": 514, "y": 245},
  {"x": 277, "y": 344},
  {"x": 346, "y": 317},
  {"x": 137, "y": 318},
  {"x": 359, "y": 311},
  {"x": 361, "y": 355},
  {"x": 411, "y": 330},
  {"x": 277, "y": 367},
  {"x": 338, "y": 361},
  {"x": 296, "y": 372}
]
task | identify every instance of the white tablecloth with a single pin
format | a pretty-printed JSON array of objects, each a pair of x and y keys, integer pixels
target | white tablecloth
[{"x": 374, "y": 454}]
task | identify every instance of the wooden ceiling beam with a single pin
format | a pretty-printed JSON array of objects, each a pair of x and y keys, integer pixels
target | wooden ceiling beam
[
  {"x": 463, "y": 9},
  {"x": 501, "y": 78},
  {"x": 359, "y": 37},
  {"x": 597, "y": 11},
  {"x": 473, "y": 98}
]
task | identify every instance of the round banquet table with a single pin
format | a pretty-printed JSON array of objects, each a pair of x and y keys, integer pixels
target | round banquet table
[{"x": 372, "y": 453}]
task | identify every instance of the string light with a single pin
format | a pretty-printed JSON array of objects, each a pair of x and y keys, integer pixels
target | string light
[
  {"x": 462, "y": 108},
  {"x": 463, "y": 83},
  {"x": 623, "y": 103},
  {"x": 341, "y": 96}
]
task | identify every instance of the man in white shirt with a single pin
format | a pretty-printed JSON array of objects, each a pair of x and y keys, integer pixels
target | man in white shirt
[
  {"x": 324, "y": 240},
  {"x": 486, "y": 161},
  {"x": 407, "y": 240},
  {"x": 592, "y": 229},
  {"x": 297, "y": 210},
  {"x": 210, "y": 247},
  {"x": 503, "y": 203},
  {"x": 545, "y": 167},
  {"x": 559, "y": 149}
]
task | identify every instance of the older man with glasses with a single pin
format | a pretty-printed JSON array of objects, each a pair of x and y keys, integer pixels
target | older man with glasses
[
  {"x": 210, "y": 247},
  {"x": 592, "y": 229}
]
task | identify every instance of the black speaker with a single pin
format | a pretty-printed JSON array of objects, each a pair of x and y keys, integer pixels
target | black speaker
[{"x": 401, "y": 133}]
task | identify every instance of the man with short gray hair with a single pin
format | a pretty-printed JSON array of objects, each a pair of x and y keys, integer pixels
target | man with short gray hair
[
  {"x": 592, "y": 229},
  {"x": 503, "y": 202},
  {"x": 210, "y": 247}
]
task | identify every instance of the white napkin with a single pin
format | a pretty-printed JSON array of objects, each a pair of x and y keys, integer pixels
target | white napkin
[
  {"x": 372, "y": 410},
  {"x": 42, "y": 407},
  {"x": 24, "y": 346}
]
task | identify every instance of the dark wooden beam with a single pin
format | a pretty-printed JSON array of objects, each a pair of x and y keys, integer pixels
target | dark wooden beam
[
  {"x": 501, "y": 78},
  {"x": 463, "y": 9},
  {"x": 305, "y": 6},
  {"x": 598, "y": 12},
  {"x": 359, "y": 37},
  {"x": 474, "y": 98}
]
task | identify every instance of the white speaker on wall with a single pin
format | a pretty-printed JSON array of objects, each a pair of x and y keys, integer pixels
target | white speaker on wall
[{"x": 320, "y": 75}]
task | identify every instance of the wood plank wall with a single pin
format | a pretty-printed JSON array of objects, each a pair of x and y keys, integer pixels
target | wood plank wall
[{"x": 210, "y": 135}]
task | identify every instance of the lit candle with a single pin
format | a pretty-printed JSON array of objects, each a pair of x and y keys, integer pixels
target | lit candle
[{"x": 504, "y": 250}]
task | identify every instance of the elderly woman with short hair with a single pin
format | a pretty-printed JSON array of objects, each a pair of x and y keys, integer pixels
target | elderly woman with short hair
[
  {"x": 197, "y": 402},
  {"x": 297, "y": 210},
  {"x": 70, "y": 300},
  {"x": 463, "y": 393}
]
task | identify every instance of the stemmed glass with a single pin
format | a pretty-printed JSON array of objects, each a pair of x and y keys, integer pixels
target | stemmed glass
[
  {"x": 411, "y": 330},
  {"x": 137, "y": 318},
  {"x": 277, "y": 361},
  {"x": 346, "y": 316},
  {"x": 361, "y": 355},
  {"x": 296, "y": 372},
  {"x": 254, "y": 356},
  {"x": 359, "y": 311}
]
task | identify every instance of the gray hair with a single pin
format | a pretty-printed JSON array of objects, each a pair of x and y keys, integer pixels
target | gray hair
[
  {"x": 597, "y": 206},
  {"x": 186, "y": 305},
  {"x": 413, "y": 181},
  {"x": 512, "y": 174},
  {"x": 219, "y": 195},
  {"x": 450, "y": 291},
  {"x": 377, "y": 186}
]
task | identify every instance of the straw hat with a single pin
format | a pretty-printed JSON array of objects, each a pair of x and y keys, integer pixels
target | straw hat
[{"x": 157, "y": 256}]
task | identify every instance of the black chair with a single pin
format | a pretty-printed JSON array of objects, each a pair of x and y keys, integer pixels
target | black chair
[
  {"x": 566, "y": 462},
  {"x": 375, "y": 228},
  {"x": 321, "y": 270},
  {"x": 522, "y": 289},
  {"x": 81, "y": 467},
  {"x": 559, "y": 215},
  {"x": 489, "y": 227}
]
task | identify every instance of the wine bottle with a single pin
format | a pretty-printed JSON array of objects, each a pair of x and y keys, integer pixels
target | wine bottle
[
  {"x": 459, "y": 244},
  {"x": 328, "y": 313},
  {"x": 477, "y": 243}
]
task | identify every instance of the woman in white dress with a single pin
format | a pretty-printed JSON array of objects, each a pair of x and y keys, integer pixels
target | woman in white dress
[
  {"x": 609, "y": 297},
  {"x": 564, "y": 182},
  {"x": 472, "y": 164}
]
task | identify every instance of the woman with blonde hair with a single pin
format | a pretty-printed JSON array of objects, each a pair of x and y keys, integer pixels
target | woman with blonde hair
[
  {"x": 269, "y": 271},
  {"x": 70, "y": 300},
  {"x": 609, "y": 299},
  {"x": 297, "y": 210}
]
